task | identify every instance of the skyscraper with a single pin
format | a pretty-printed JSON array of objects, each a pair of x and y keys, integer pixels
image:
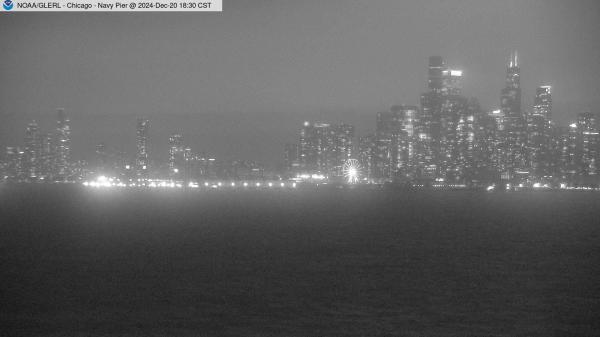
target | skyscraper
[
  {"x": 539, "y": 127},
  {"x": 48, "y": 157},
  {"x": 63, "y": 147},
  {"x": 543, "y": 103},
  {"x": 428, "y": 131},
  {"x": 407, "y": 142},
  {"x": 32, "y": 163},
  {"x": 176, "y": 156},
  {"x": 457, "y": 139},
  {"x": 562, "y": 149},
  {"x": 442, "y": 108},
  {"x": 324, "y": 147},
  {"x": 366, "y": 146},
  {"x": 467, "y": 130},
  {"x": 141, "y": 162},
  {"x": 452, "y": 81},
  {"x": 484, "y": 149},
  {"x": 313, "y": 142},
  {"x": 342, "y": 147},
  {"x": 495, "y": 143},
  {"x": 435, "y": 79},
  {"x": 394, "y": 150},
  {"x": 101, "y": 158},
  {"x": 571, "y": 159},
  {"x": 14, "y": 163},
  {"x": 515, "y": 136},
  {"x": 385, "y": 151},
  {"x": 589, "y": 133}
]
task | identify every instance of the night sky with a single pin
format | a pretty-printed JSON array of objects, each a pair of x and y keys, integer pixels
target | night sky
[{"x": 238, "y": 84}]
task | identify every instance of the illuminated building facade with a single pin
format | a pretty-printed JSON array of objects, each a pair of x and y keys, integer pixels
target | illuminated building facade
[
  {"x": 453, "y": 107},
  {"x": 48, "y": 155},
  {"x": 436, "y": 117},
  {"x": 589, "y": 138},
  {"x": 407, "y": 142},
  {"x": 444, "y": 118},
  {"x": 452, "y": 81},
  {"x": 141, "y": 162},
  {"x": 539, "y": 132},
  {"x": 176, "y": 156},
  {"x": 436, "y": 71},
  {"x": 32, "y": 162},
  {"x": 428, "y": 134},
  {"x": 366, "y": 145},
  {"x": 563, "y": 153},
  {"x": 464, "y": 164},
  {"x": 38, "y": 160},
  {"x": 63, "y": 146},
  {"x": 393, "y": 147},
  {"x": 429, "y": 126},
  {"x": 324, "y": 147},
  {"x": 13, "y": 165},
  {"x": 495, "y": 139},
  {"x": 342, "y": 148},
  {"x": 313, "y": 146},
  {"x": 515, "y": 132},
  {"x": 385, "y": 150}
]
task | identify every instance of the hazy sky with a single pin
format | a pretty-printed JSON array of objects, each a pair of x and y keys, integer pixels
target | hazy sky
[{"x": 246, "y": 78}]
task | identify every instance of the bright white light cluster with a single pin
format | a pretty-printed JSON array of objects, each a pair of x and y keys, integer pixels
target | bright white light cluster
[
  {"x": 314, "y": 176},
  {"x": 105, "y": 182},
  {"x": 164, "y": 184},
  {"x": 351, "y": 170},
  {"x": 449, "y": 186}
]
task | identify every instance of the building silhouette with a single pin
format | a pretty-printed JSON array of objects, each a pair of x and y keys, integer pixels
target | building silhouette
[
  {"x": 63, "y": 146},
  {"x": 141, "y": 163},
  {"x": 539, "y": 132},
  {"x": 514, "y": 136},
  {"x": 177, "y": 157},
  {"x": 324, "y": 147}
]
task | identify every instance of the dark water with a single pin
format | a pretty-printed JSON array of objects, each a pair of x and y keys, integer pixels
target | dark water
[{"x": 79, "y": 262}]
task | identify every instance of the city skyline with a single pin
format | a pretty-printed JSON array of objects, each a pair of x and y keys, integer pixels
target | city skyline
[
  {"x": 334, "y": 61},
  {"x": 453, "y": 83},
  {"x": 448, "y": 140}
]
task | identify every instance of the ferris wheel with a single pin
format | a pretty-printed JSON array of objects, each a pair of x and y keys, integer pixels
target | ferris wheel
[{"x": 351, "y": 170}]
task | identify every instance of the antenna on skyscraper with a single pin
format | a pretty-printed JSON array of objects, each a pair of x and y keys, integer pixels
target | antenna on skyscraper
[{"x": 514, "y": 59}]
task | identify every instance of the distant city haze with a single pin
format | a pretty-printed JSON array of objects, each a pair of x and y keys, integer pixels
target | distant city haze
[{"x": 239, "y": 84}]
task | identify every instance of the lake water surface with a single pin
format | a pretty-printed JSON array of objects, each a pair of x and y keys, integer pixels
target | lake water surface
[{"x": 86, "y": 262}]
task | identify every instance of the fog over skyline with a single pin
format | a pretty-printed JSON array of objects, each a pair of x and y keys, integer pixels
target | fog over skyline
[{"x": 239, "y": 83}]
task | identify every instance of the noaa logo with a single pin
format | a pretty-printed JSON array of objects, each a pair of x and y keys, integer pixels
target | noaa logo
[{"x": 8, "y": 5}]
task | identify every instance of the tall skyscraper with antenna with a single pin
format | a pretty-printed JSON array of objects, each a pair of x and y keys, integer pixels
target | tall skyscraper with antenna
[{"x": 515, "y": 135}]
